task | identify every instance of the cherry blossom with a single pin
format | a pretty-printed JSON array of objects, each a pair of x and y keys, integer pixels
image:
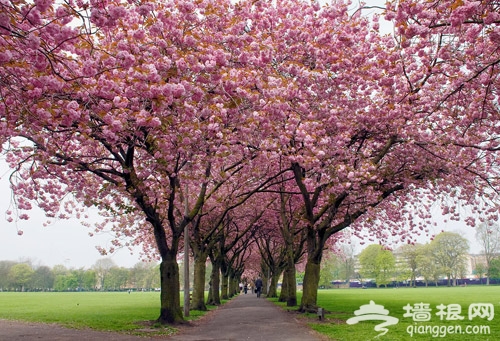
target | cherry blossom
[{"x": 151, "y": 111}]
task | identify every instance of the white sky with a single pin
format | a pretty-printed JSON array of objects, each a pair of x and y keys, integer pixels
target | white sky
[
  {"x": 452, "y": 226},
  {"x": 65, "y": 242}
]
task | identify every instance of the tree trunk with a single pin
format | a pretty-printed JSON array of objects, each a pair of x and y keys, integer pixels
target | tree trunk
[
  {"x": 230, "y": 283},
  {"x": 289, "y": 294},
  {"x": 273, "y": 292},
  {"x": 225, "y": 286},
  {"x": 214, "y": 296},
  {"x": 233, "y": 285},
  {"x": 291, "y": 300},
  {"x": 265, "y": 281},
  {"x": 310, "y": 289},
  {"x": 170, "y": 311},
  {"x": 210, "y": 297},
  {"x": 198, "y": 298},
  {"x": 284, "y": 287}
]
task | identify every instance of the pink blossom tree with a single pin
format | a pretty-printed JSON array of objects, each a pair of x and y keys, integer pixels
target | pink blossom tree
[
  {"x": 285, "y": 217},
  {"x": 124, "y": 116},
  {"x": 233, "y": 235},
  {"x": 139, "y": 102},
  {"x": 371, "y": 123}
]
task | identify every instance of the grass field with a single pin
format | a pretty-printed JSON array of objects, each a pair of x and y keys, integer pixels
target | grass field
[
  {"x": 342, "y": 303},
  {"x": 110, "y": 311},
  {"x": 125, "y": 312}
]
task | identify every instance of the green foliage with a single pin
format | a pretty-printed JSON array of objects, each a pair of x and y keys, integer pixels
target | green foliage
[
  {"x": 495, "y": 268},
  {"x": 336, "y": 267},
  {"x": 329, "y": 270},
  {"x": 43, "y": 278},
  {"x": 20, "y": 275},
  {"x": 449, "y": 250},
  {"x": 385, "y": 264},
  {"x": 300, "y": 277},
  {"x": 402, "y": 273},
  {"x": 68, "y": 282},
  {"x": 367, "y": 260},
  {"x": 86, "y": 279},
  {"x": 105, "y": 276},
  {"x": 5, "y": 267},
  {"x": 377, "y": 263},
  {"x": 116, "y": 279},
  {"x": 410, "y": 254},
  {"x": 480, "y": 270},
  {"x": 428, "y": 267},
  {"x": 445, "y": 255}
]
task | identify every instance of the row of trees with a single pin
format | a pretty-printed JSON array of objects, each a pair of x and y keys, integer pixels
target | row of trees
[
  {"x": 103, "y": 275},
  {"x": 249, "y": 124},
  {"x": 445, "y": 256}
]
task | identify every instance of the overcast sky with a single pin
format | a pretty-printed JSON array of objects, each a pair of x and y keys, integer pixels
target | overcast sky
[{"x": 65, "y": 242}]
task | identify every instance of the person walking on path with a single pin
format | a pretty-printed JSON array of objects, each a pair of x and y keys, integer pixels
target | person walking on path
[
  {"x": 258, "y": 286},
  {"x": 245, "y": 318}
]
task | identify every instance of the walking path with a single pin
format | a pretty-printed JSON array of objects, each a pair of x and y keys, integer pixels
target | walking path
[{"x": 245, "y": 317}]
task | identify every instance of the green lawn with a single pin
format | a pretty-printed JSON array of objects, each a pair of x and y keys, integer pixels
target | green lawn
[
  {"x": 112, "y": 311},
  {"x": 341, "y": 304},
  {"x": 125, "y": 312}
]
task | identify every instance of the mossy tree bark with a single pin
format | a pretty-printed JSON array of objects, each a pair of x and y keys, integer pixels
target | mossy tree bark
[
  {"x": 284, "y": 287},
  {"x": 310, "y": 288},
  {"x": 289, "y": 285},
  {"x": 200, "y": 250},
  {"x": 238, "y": 279},
  {"x": 233, "y": 284},
  {"x": 170, "y": 311},
  {"x": 224, "y": 281},
  {"x": 293, "y": 234},
  {"x": 214, "y": 290},
  {"x": 198, "y": 298}
]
